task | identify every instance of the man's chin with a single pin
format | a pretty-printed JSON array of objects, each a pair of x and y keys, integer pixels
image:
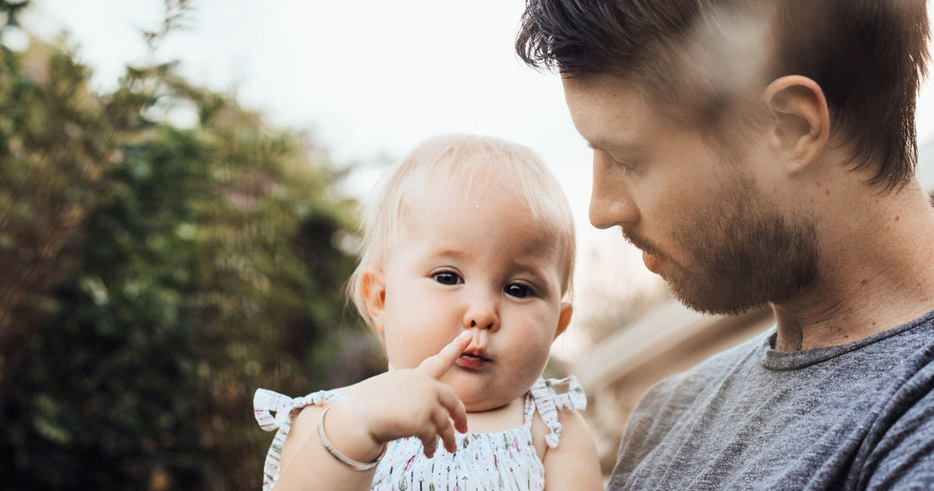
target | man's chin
[{"x": 709, "y": 299}]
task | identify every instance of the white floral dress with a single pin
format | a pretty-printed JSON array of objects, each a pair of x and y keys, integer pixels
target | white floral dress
[{"x": 504, "y": 460}]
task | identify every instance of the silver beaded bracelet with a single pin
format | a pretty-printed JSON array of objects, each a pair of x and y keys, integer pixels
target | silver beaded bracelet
[{"x": 353, "y": 464}]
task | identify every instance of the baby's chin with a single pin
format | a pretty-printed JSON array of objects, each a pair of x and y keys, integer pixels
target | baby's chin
[
  {"x": 492, "y": 416},
  {"x": 486, "y": 405},
  {"x": 480, "y": 395},
  {"x": 479, "y": 401}
]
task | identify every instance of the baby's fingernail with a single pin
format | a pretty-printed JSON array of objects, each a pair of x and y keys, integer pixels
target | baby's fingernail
[{"x": 463, "y": 335}]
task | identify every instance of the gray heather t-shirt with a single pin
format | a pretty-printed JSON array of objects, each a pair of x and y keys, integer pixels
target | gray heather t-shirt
[{"x": 857, "y": 416}]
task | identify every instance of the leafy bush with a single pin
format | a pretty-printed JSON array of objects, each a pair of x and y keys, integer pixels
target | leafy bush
[{"x": 154, "y": 276}]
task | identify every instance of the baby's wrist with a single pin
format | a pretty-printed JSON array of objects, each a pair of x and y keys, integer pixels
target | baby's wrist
[{"x": 347, "y": 436}]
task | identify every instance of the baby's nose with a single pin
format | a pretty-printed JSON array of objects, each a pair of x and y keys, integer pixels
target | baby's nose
[{"x": 481, "y": 314}]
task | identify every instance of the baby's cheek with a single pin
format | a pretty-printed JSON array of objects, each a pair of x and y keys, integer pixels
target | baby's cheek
[
  {"x": 535, "y": 352},
  {"x": 405, "y": 353}
]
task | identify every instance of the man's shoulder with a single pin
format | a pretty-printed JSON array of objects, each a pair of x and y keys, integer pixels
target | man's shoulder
[
  {"x": 869, "y": 405},
  {"x": 681, "y": 389},
  {"x": 723, "y": 362}
]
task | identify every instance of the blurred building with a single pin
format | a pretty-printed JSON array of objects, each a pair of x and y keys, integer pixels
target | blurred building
[{"x": 668, "y": 339}]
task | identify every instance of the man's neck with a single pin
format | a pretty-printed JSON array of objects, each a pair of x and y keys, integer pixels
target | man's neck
[{"x": 877, "y": 272}]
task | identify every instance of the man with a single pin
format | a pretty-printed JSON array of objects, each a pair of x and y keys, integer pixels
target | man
[{"x": 764, "y": 152}]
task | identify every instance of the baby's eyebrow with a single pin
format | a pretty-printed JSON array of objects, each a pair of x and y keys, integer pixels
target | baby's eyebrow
[
  {"x": 535, "y": 272},
  {"x": 449, "y": 252}
]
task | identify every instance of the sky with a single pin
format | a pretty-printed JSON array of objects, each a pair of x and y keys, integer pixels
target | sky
[{"x": 371, "y": 79}]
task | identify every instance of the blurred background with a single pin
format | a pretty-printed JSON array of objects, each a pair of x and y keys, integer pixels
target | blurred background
[{"x": 178, "y": 206}]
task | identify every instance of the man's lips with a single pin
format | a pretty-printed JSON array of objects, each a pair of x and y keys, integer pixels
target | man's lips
[{"x": 652, "y": 261}]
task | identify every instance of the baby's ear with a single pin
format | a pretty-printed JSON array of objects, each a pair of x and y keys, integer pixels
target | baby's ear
[
  {"x": 565, "y": 318},
  {"x": 373, "y": 287}
]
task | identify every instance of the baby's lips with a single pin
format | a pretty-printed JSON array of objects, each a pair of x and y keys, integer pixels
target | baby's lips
[{"x": 476, "y": 352}]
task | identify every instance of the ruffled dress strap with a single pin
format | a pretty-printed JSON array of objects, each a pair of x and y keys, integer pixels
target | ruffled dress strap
[
  {"x": 549, "y": 401},
  {"x": 275, "y": 411}
]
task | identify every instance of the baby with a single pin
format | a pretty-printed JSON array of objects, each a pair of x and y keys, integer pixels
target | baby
[{"x": 465, "y": 274}]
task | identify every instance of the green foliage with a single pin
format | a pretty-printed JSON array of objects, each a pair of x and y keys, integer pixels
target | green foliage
[{"x": 155, "y": 276}]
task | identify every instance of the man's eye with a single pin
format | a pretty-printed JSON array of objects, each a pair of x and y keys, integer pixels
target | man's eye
[
  {"x": 625, "y": 165},
  {"x": 518, "y": 290},
  {"x": 447, "y": 278}
]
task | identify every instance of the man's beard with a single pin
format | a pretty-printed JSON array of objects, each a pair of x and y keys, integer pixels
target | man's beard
[{"x": 741, "y": 254}]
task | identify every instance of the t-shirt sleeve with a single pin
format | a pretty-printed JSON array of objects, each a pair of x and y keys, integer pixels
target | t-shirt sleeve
[
  {"x": 656, "y": 412},
  {"x": 901, "y": 454}
]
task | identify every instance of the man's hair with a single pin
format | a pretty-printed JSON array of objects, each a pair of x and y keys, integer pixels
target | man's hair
[
  {"x": 701, "y": 58},
  {"x": 461, "y": 164}
]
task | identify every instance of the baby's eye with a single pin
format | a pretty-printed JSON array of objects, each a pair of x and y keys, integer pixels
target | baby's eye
[
  {"x": 518, "y": 290},
  {"x": 447, "y": 278}
]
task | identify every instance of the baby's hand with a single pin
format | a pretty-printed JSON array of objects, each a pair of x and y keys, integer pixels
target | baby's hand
[{"x": 413, "y": 402}]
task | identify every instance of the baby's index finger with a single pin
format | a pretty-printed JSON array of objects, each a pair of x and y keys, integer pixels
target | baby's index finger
[{"x": 437, "y": 365}]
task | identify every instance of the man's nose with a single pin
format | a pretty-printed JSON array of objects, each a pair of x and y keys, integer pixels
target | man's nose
[{"x": 610, "y": 200}]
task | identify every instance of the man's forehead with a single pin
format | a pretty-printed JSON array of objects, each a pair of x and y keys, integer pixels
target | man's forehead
[
  {"x": 596, "y": 91},
  {"x": 608, "y": 112}
]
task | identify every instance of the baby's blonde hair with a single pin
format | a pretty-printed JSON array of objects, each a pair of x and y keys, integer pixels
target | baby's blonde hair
[{"x": 464, "y": 163}]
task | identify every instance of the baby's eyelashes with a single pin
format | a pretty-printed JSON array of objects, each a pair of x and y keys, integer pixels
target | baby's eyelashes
[
  {"x": 518, "y": 290},
  {"x": 447, "y": 278}
]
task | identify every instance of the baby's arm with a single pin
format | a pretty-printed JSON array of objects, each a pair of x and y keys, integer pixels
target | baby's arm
[
  {"x": 396, "y": 404},
  {"x": 573, "y": 464}
]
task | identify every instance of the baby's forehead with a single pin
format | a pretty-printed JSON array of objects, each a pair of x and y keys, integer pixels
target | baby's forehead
[
  {"x": 441, "y": 211},
  {"x": 474, "y": 187},
  {"x": 489, "y": 197},
  {"x": 472, "y": 174}
]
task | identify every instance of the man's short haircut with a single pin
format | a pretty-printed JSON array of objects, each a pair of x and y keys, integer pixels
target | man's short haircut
[
  {"x": 461, "y": 164},
  {"x": 701, "y": 58}
]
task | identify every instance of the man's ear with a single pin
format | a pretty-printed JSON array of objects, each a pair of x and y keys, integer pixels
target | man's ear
[
  {"x": 800, "y": 126},
  {"x": 373, "y": 287},
  {"x": 565, "y": 318}
]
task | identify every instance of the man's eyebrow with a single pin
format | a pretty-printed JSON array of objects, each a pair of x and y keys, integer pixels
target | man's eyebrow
[
  {"x": 608, "y": 146},
  {"x": 597, "y": 145}
]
